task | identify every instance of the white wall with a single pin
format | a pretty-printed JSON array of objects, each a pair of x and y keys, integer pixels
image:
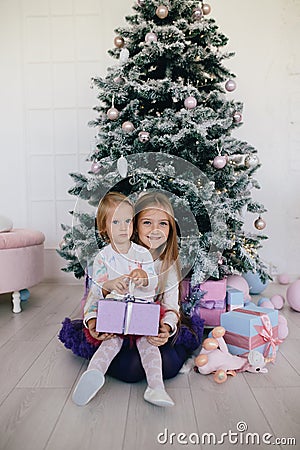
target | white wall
[{"x": 50, "y": 49}]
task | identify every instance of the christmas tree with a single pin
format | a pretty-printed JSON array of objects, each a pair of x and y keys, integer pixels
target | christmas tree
[{"x": 164, "y": 122}]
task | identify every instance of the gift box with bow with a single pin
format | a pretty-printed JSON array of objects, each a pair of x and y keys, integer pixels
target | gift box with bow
[
  {"x": 128, "y": 315},
  {"x": 211, "y": 312},
  {"x": 251, "y": 328},
  {"x": 213, "y": 290},
  {"x": 234, "y": 298}
]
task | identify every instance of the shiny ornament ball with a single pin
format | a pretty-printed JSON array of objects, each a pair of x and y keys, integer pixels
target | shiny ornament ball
[
  {"x": 220, "y": 376},
  {"x": 127, "y": 127},
  {"x": 151, "y": 37},
  {"x": 251, "y": 161},
  {"x": 238, "y": 282},
  {"x": 256, "y": 285},
  {"x": 144, "y": 136},
  {"x": 119, "y": 80},
  {"x": 141, "y": 2},
  {"x": 219, "y": 162},
  {"x": 277, "y": 300},
  {"x": 230, "y": 85},
  {"x": 162, "y": 11},
  {"x": 282, "y": 319},
  {"x": 210, "y": 344},
  {"x": 119, "y": 41},
  {"x": 197, "y": 14},
  {"x": 267, "y": 304},
  {"x": 113, "y": 114},
  {"x": 201, "y": 360},
  {"x": 237, "y": 117},
  {"x": 293, "y": 296},
  {"x": 190, "y": 102},
  {"x": 260, "y": 224},
  {"x": 206, "y": 8},
  {"x": 283, "y": 278},
  {"x": 283, "y": 332},
  {"x": 95, "y": 167},
  {"x": 218, "y": 332}
]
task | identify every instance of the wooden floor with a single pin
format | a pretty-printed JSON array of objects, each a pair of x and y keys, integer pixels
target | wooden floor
[{"x": 37, "y": 376}]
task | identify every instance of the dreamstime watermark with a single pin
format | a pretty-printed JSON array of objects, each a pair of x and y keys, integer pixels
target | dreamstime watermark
[{"x": 239, "y": 437}]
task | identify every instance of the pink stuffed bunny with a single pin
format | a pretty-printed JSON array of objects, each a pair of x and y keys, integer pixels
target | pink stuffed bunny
[{"x": 215, "y": 358}]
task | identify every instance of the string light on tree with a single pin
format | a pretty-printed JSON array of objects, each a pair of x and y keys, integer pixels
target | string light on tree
[
  {"x": 162, "y": 11},
  {"x": 260, "y": 224}
]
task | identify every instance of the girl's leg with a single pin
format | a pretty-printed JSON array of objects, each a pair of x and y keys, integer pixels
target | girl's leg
[
  {"x": 92, "y": 380},
  {"x": 105, "y": 354},
  {"x": 151, "y": 361}
]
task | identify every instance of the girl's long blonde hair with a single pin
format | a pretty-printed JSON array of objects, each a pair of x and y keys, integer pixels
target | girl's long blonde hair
[{"x": 170, "y": 253}]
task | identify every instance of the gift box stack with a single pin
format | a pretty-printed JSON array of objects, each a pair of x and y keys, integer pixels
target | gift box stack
[{"x": 212, "y": 300}]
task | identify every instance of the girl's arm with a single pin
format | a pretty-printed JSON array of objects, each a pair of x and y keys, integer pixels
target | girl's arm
[{"x": 170, "y": 301}]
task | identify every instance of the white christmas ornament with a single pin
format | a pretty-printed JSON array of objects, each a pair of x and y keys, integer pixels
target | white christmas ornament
[
  {"x": 124, "y": 56},
  {"x": 122, "y": 166}
]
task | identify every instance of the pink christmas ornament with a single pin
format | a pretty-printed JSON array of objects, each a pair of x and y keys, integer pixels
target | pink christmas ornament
[
  {"x": 283, "y": 278},
  {"x": 119, "y": 80},
  {"x": 197, "y": 14},
  {"x": 283, "y": 331},
  {"x": 151, "y": 37},
  {"x": 282, "y": 320},
  {"x": 95, "y": 167},
  {"x": 113, "y": 114},
  {"x": 293, "y": 296},
  {"x": 238, "y": 282},
  {"x": 237, "y": 117},
  {"x": 230, "y": 85},
  {"x": 190, "y": 102},
  {"x": 119, "y": 41},
  {"x": 260, "y": 224},
  {"x": 219, "y": 162},
  {"x": 277, "y": 300},
  {"x": 141, "y": 2}
]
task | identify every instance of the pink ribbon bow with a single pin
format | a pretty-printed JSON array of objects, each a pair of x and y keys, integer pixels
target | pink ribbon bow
[{"x": 266, "y": 332}]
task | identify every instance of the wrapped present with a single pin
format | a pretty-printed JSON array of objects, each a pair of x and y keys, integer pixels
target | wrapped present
[
  {"x": 211, "y": 316},
  {"x": 251, "y": 328},
  {"x": 132, "y": 316},
  {"x": 234, "y": 298},
  {"x": 211, "y": 304},
  {"x": 213, "y": 290}
]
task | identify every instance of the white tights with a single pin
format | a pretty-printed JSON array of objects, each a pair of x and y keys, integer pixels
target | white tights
[{"x": 149, "y": 354}]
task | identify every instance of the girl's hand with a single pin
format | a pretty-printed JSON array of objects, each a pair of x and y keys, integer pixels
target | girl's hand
[
  {"x": 139, "y": 277},
  {"x": 119, "y": 285},
  {"x": 163, "y": 336},
  {"x": 95, "y": 334}
]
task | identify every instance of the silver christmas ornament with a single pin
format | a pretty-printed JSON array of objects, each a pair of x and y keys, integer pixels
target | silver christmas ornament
[
  {"x": 259, "y": 223},
  {"x": 206, "y": 8},
  {"x": 119, "y": 41},
  {"x": 127, "y": 126},
  {"x": 122, "y": 166},
  {"x": 162, "y": 11},
  {"x": 251, "y": 161},
  {"x": 144, "y": 136},
  {"x": 113, "y": 113},
  {"x": 219, "y": 162},
  {"x": 197, "y": 14}
]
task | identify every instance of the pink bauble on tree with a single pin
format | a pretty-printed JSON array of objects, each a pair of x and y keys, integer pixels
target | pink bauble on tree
[
  {"x": 219, "y": 162},
  {"x": 151, "y": 37},
  {"x": 113, "y": 113},
  {"x": 230, "y": 85},
  {"x": 162, "y": 11},
  {"x": 293, "y": 296},
  {"x": 95, "y": 167},
  {"x": 190, "y": 102}
]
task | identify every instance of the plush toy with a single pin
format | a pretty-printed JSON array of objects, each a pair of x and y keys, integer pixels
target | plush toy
[{"x": 215, "y": 358}]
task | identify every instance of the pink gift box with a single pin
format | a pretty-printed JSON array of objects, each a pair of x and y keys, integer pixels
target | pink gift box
[
  {"x": 215, "y": 290},
  {"x": 140, "y": 318},
  {"x": 212, "y": 317}
]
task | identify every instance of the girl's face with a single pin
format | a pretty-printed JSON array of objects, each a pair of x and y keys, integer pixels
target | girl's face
[
  {"x": 119, "y": 226},
  {"x": 153, "y": 227}
]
